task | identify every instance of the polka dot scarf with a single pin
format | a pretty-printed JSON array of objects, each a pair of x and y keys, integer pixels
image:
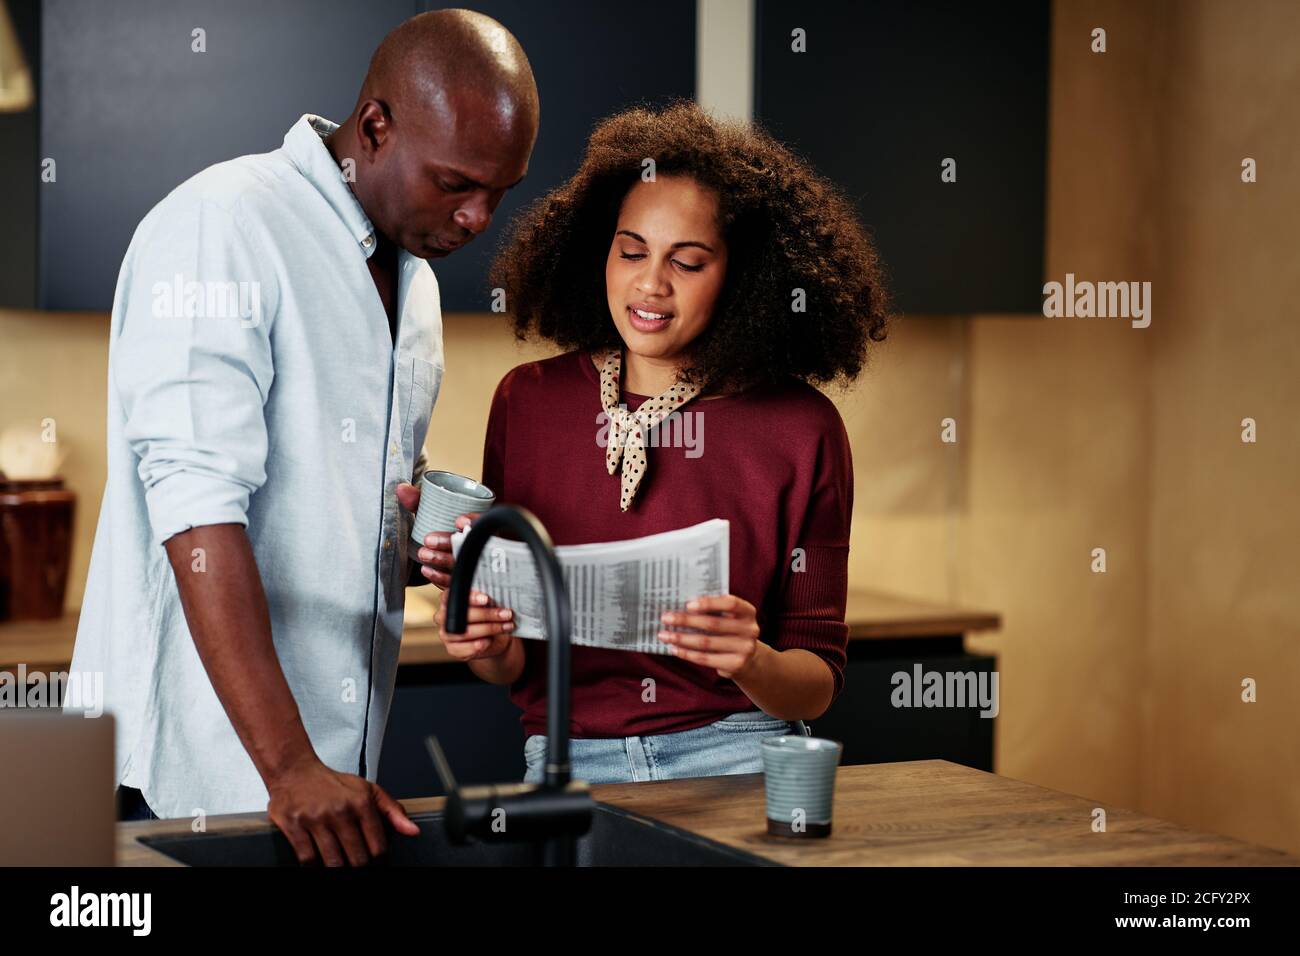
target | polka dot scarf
[{"x": 627, "y": 430}]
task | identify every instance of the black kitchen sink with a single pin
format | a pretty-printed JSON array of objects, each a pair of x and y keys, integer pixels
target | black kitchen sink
[{"x": 616, "y": 838}]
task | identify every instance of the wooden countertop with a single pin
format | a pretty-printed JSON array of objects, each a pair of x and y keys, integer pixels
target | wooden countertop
[
  {"x": 919, "y": 813},
  {"x": 47, "y": 645}
]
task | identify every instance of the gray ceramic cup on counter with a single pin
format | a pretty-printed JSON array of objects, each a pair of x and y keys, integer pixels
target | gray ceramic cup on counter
[
  {"x": 799, "y": 776},
  {"x": 444, "y": 497}
]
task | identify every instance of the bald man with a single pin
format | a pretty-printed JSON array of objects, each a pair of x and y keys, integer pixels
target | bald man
[{"x": 276, "y": 349}]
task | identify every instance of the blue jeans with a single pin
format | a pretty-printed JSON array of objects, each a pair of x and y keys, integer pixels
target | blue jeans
[{"x": 726, "y": 746}]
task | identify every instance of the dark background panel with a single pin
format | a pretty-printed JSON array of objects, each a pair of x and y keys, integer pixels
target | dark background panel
[
  {"x": 20, "y": 173},
  {"x": 886, "y": 90},
  {"x": 591, "y": 58},
  {"x": 129, "y": 111}
]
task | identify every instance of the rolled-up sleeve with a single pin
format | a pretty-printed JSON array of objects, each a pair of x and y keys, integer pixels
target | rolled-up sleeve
[{"x": 191, "y": 362}]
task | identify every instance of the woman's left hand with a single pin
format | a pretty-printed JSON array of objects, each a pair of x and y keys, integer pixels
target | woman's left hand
[{"x": 730, "y": 641}]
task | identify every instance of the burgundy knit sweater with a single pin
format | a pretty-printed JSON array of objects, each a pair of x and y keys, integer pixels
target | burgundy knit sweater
[{"x": 774, "y": 461}]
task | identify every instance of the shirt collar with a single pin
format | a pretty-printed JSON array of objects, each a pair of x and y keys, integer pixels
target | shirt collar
[{"x": 305, "y": 147}]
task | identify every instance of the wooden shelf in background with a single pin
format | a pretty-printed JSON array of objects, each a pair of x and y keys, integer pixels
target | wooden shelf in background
[{"x": 47, "y": 645}]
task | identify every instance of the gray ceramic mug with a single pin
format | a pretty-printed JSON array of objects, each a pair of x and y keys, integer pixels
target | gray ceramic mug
[
  {"x": 444, "y": 497},
  {"x": 799, "y": 778}
]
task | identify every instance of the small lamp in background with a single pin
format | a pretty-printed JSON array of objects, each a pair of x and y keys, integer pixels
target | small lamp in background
[{"x": 15, "y": 77}]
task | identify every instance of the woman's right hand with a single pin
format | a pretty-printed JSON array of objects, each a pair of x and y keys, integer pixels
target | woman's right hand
[{"x": 489, "y": 631}]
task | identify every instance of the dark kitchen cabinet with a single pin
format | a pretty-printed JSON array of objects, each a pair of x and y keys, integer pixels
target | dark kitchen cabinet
[
  {"x": 883, "y": 93},
  {"x": 475, "y": 722},
  {"x": 129, "y": 109},
  {"x": 873, "y": 730}
]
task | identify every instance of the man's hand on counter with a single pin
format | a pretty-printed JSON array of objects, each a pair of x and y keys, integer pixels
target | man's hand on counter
[
  {"x": 338, "y": 816},
  {"x": 321, "y": 811}
]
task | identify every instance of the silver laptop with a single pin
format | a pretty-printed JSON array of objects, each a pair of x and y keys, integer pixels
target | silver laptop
[{"x": 57, "y": 805}]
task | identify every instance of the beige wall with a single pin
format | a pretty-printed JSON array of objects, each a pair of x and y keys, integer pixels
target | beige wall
[
  {"x": 1087, "y": 433},
  {"x": 1224, "y": 598},
  {"x": 1060, "y": 434},
  {"x": 1073, "y": 434},
  {"x": 479, "y": 350}
]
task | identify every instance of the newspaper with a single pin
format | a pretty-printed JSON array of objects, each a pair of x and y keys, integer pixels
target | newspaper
[{"x": 617, "y": 590}]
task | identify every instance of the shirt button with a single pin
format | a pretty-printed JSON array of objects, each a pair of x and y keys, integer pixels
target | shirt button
[
  {"x": 388, "y": 544},
  {"x": 368, "y": 241}
]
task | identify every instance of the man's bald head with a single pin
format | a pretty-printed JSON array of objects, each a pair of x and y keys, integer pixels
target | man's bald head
[
  {"x": 445, "y": 124},
  {"x": 435, "y": 60}
]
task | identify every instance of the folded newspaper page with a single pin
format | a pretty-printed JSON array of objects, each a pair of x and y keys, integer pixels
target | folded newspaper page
[{"x": 617, "y": 589}]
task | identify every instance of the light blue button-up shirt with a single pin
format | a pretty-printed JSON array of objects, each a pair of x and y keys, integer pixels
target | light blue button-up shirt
[{"x": 253, "y": 380}]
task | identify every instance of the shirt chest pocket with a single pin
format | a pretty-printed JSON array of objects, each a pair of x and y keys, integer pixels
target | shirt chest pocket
[{"x": 421, "y": 391}]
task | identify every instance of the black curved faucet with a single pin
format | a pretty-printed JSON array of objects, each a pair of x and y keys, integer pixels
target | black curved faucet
[{"x": 559, "y": 810}]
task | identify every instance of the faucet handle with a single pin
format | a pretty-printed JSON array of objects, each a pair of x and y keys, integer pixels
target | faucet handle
[
  {"x": 454, "y": 808},
  {"x": 441, "y": 765}
]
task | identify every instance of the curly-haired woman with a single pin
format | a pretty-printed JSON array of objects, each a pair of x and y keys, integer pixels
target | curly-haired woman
[{"x": 718, "y": 283}]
